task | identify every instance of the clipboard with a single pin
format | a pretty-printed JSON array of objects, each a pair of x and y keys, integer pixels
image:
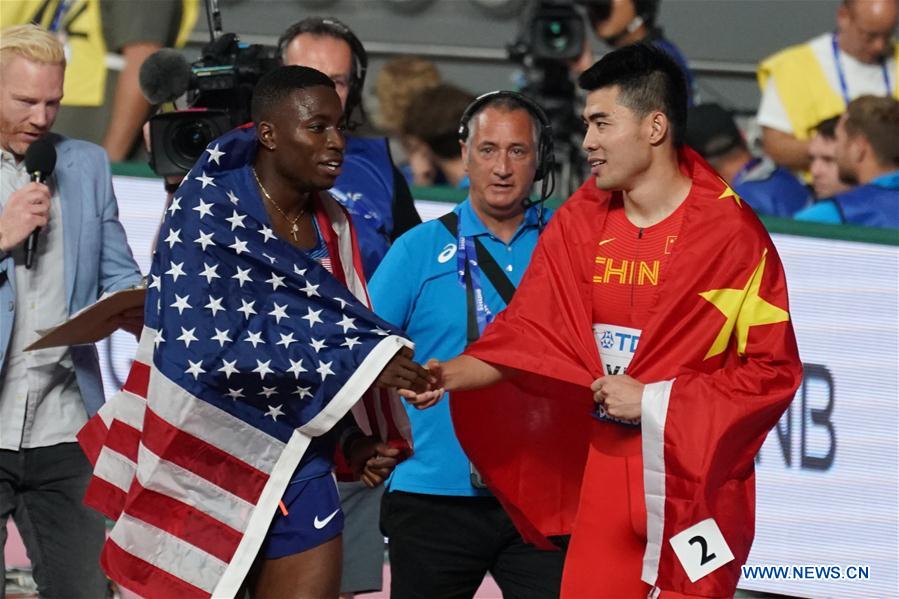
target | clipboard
[{"x": 93, "y": 323}]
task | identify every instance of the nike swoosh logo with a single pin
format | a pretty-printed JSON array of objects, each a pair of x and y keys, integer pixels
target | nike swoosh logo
[
  {"x": 605, "y": 241},
  {"x": 320, "y": 524}
]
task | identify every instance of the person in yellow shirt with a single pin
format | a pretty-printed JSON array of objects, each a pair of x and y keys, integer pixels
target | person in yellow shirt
[
  {"x": 106, "y": 43},
  {"x": 810, "y": 82}
]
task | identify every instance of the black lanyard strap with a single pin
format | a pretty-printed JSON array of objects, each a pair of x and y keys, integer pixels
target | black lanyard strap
[{"x": 488, "y": 266}]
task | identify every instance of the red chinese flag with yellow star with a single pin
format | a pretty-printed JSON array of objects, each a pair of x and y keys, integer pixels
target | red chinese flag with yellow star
[{"x": 717, "y": 354}]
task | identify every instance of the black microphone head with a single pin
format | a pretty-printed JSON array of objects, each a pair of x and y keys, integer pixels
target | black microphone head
[
  {"x": 40, "y": 157},
  {"x": 164, "y": 76}
]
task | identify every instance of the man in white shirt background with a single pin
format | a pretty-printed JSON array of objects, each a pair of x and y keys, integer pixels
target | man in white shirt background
[{"x": 804, "y": 84}]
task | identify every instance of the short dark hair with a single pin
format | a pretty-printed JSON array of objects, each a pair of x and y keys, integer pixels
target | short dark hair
[
  {"x": 600, "y": 10},
  {"x": 433, "y": 117},
  {"x": 276, "y": 86},
  {"x": 648, "y": 79},
  {"x": 876, "y": 118},
  {"x": 712, "y": 131},
  {"x": 828, "y": 128}
]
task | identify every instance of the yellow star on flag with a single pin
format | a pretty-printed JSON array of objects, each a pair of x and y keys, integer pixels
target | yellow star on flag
[
  {"x": 743, "y": 308},
  {"x": 730, "y": 193}
]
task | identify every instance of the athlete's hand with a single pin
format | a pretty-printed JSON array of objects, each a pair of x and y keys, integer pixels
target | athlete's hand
[
  {"x": 373, "y": 459},
  {"x": 620, "y": 395},
  {"x": 432, "y": 394},
  {"x": 379, "y": 467},
  {"x": 403, "y": 373}
]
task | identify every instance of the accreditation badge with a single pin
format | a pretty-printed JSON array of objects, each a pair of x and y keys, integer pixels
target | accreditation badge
[{"x": 616, "y": 346}]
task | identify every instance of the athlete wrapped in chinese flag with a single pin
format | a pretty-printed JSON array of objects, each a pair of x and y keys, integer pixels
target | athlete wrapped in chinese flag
[{"x": 719, "y": 360}]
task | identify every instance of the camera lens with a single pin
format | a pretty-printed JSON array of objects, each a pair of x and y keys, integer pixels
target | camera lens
[
  {"x": 556, "y": 34},
  {"x": 189, "y": 139},
  {"x": 178, "y": 139}
]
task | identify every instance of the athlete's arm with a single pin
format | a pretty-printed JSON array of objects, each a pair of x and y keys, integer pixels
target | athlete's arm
[{"x": 462, "y": 373}]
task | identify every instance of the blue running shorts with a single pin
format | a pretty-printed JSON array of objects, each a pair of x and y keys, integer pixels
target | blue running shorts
[{"x": 313, "y": 517}]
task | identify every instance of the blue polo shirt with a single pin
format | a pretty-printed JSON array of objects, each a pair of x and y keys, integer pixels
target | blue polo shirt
[
  {"x": 875, "y": 204},
  {"x": 771, "y": 189},
  {"x": 417, "y": 288}
]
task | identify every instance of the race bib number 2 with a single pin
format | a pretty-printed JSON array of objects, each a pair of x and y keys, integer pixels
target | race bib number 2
[{"x": 701, "y": 549}]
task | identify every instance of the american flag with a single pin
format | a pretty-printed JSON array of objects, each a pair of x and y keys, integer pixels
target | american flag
[{"x": 250, "y": 349}]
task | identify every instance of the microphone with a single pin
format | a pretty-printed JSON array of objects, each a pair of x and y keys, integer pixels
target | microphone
[
  {"x": 164, "y": 76},
  {"x": 40, "y": 160}
]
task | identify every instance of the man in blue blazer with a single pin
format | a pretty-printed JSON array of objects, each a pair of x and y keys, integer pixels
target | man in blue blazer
[{"x": 47, "y": 395}]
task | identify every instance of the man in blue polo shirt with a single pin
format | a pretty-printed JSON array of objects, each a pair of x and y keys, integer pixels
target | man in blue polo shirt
[{"x": 445, "y": 530}]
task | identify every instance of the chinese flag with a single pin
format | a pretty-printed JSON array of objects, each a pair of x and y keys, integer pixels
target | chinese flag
[{"x": 717, "y": 354}]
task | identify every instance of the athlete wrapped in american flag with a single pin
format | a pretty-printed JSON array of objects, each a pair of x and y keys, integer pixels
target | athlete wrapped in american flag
[{"x": 252, "y": 353}]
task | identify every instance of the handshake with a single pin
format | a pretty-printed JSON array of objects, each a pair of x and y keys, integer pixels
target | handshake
[{"x": 421, "y": 386}]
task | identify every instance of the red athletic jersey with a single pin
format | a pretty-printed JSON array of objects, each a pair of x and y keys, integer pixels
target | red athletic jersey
[
  {"x": 717, "y": 354},
  {"x": 628, "y": 264}
]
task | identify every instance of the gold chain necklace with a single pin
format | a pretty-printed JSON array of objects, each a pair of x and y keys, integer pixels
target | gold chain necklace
[{"x": 294, "y": 229}]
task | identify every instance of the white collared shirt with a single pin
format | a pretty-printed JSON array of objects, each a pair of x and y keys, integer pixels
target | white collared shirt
[
  {"x": 40, "y": 404},
  {"x": 861, "y": 79}
]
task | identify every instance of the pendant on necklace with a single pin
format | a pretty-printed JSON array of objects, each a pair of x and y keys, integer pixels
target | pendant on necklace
[{"x": 294, "y": 229}]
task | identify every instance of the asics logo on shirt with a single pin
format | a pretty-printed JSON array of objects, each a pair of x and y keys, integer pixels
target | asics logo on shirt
[
  {"x": 447, "y": 253},
  {"x": 320, "y": 524}
]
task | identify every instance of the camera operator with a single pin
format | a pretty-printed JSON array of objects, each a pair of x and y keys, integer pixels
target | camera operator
[
  {"x": 619, "y": 23},
  {"x": 80, "y": 252}
]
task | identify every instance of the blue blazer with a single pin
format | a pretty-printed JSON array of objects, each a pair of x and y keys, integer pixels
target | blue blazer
[{"x": 97, "y": 256}]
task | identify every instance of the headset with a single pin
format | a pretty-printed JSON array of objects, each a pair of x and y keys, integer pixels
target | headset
[
  {"x": 546, "y": 163},
  {"x": 332, "y": 27}
]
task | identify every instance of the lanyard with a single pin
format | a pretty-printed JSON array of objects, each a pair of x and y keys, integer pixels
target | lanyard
[
  {"x": 61, "y": 9},
  {"x": 470, "y": 277},
  {"x": 738, "y": 179},
  {"x": 834, "y": 43}
]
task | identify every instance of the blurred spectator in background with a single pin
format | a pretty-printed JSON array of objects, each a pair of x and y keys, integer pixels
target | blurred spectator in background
[
  {"x": 370, "y": 186},
  {"x": 867, "y": 153},
  {"x": 805, "y": 84},
  {"x": 398, "y": 81},
  {"x": 433, "y": 120},
  {"x": 622, "y": 22},
  {"x": 768, "y": 188},
  {"x": 823, "y": 169},
  {"x": 106, "y": 43}
]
